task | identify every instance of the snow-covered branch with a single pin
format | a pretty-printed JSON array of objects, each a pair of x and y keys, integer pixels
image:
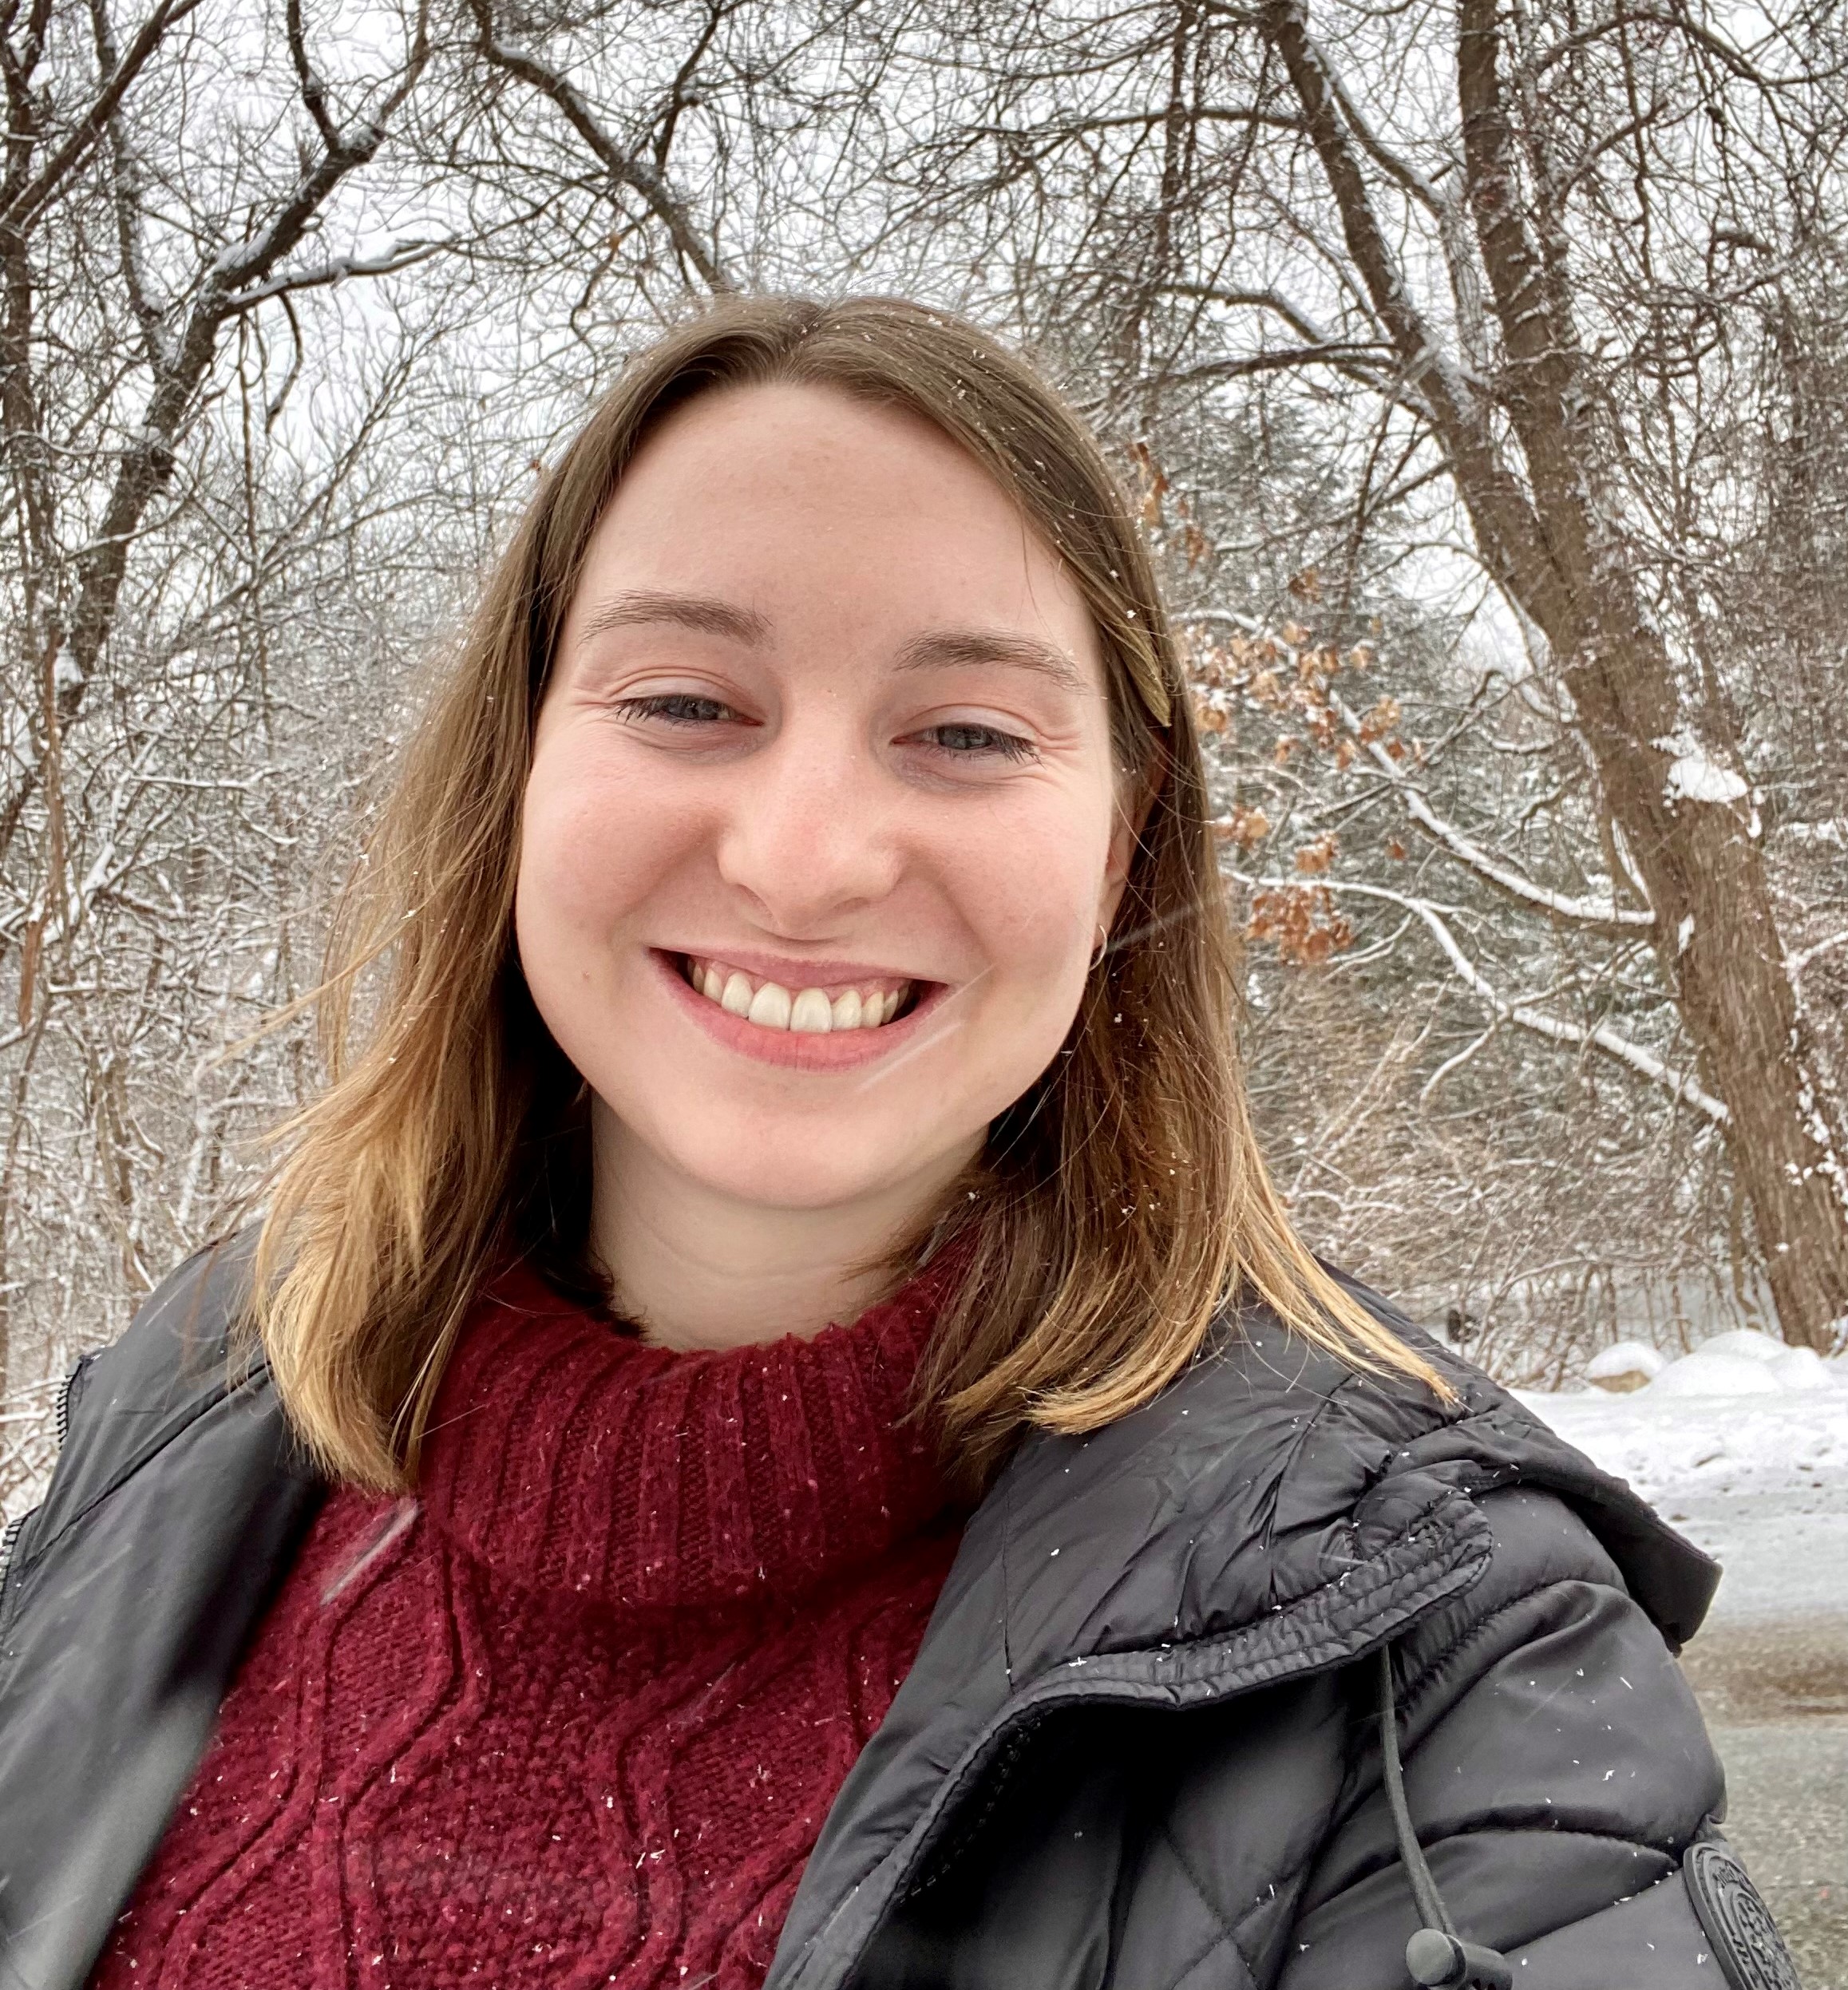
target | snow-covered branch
[
  {"x": 401, "y": 255},
  {"x": 1600, "y": 914},
  {"x": 1635, "y": 1057}
]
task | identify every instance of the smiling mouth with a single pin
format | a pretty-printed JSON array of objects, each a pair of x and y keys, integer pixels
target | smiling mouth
[{"x": 866, "y": 1005}]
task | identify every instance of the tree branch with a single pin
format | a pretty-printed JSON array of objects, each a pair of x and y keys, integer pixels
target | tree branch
[
  {"x": 147, "y": 465},
  {"x": 401, "y": 255},
  {"x": 623, "y": 166},
  {"x": 314, "y": 91},
  {"x": 19, "y": 210},
  {"x": 1600, "y": 916},
  {"x": 1504, "y": 522},
  {"x": 1634, "y": 1057}
]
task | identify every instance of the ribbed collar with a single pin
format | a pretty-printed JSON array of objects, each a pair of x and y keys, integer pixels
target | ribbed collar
[{"x": 566, "y": 1455}]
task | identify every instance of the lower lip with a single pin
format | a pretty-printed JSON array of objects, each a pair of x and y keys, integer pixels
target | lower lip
[{"x": 795, "y": 1050}]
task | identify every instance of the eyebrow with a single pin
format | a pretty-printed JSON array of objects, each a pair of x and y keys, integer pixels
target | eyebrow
[
  {"x": 944, "y": 649},
  {"x": 940, "y": 649},
  {"x": 700, "y": 612}
]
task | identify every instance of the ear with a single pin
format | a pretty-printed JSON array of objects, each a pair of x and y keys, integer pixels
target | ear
[{"x": 1136, "y": 796}]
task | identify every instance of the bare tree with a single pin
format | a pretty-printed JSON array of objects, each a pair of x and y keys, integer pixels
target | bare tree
[
  {"x": 1547, "y": 250},
  {"x": 1543, "y": 496},
  {"x": 133, "y": 242}
]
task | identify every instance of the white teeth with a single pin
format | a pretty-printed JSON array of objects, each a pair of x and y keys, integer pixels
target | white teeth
[
  {"x": 812, "y": 1012},
  {"x": 769, "y": 1007}
]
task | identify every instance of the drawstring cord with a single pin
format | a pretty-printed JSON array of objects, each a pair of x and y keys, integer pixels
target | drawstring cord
[{"x": 1437, "y": 1956}]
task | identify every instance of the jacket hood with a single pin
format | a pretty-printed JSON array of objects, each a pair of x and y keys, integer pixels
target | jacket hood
[{"x": 1266, "y": 1473}]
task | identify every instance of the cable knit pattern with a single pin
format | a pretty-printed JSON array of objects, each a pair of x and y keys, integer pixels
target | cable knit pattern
[{"x": 577, "y": 1715}]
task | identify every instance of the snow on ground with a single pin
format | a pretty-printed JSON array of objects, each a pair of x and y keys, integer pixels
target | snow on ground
[{"x": 1743, "y": 1447}]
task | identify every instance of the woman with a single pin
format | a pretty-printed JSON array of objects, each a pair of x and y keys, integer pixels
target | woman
[{"x": 775, "y": 1429}]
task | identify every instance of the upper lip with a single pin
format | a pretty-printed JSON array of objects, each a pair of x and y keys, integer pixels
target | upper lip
[{"x": 797, "y": 974}]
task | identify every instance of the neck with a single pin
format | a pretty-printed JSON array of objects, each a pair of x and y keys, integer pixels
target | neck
[{"x": 697, "y": 1268}]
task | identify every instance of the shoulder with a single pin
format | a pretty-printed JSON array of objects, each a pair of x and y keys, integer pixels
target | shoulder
[
  {"x": 1272, "y": 1470},
  {"x": 1389, "y": 1445},
  {"x": 181, "y": 1355},
  {"x": 183, "y": 1341}
]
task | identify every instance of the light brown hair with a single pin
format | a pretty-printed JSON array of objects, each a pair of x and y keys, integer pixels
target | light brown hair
[{"x": 1117, "y": 1206}]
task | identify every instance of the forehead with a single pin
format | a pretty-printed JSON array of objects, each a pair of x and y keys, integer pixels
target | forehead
[
  {"x": 787, "y": 499},
  {"x": 784, "y": 433}
]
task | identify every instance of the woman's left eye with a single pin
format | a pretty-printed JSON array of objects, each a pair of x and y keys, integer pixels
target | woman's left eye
[{"x": 963, "y": 741}]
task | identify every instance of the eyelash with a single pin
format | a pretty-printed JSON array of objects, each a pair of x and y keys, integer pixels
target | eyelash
[
  {"x": 672, "y": 706},
  {"x": 1006, "y": 746},
  {"x": 662, "y": 706}
]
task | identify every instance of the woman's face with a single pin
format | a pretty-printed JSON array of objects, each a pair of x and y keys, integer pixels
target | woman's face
[{"x": 825, "y": 742}]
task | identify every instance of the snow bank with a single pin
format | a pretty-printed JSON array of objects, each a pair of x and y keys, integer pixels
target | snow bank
[
  {"x": 1716, "y": 1375},
  {"x": 1739, "y": 1364},
  {"x": 1743, "y": 1447},
  {"x": 1744, "y": 1413},
  {"x": 1750, "y": 1341},
  {"x": 1627, "y": 1364},
  {"x": 1761, "y": 1437},
  {"x": 1791, "y": 1368}
]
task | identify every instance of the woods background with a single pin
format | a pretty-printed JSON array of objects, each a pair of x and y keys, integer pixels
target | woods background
[{"x": 1482, "y": 371}]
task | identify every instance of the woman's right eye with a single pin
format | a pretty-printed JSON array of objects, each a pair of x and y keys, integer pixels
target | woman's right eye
[{"x": 678, "y": 708}]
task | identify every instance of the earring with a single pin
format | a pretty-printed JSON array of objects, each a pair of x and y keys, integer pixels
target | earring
[{"x": 1102, "y": 947}]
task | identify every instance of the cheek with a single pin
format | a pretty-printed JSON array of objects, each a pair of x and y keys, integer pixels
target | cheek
[
  {"x": 1030, "y": 893},
  {"x": 588, "y": 852}
]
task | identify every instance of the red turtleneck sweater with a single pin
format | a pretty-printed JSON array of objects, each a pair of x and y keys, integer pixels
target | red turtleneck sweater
[{"x": 575, "y": 1715}]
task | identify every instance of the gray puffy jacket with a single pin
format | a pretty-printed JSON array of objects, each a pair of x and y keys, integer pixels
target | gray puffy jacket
[{"x": 1140, "y": 1745}]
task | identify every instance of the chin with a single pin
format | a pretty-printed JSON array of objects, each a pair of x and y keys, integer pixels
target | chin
[{"x": 805, "y": 1167}]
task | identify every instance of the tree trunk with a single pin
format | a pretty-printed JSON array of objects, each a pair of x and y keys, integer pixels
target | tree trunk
[
  {"x": 1718, "y": 944},
  {"x": 1692, "y": 828}
]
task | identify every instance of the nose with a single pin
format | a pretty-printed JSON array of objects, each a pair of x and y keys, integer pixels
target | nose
[{"x": 806, "y": 834}]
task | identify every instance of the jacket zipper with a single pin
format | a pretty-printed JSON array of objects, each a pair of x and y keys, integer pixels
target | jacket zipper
[
  {"x": 994, "y": 1784},
  {"x": 9, "y": 1540},
  {"x": 64, "y": 1395},
  {"x": 1005, "y": 1736}
]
